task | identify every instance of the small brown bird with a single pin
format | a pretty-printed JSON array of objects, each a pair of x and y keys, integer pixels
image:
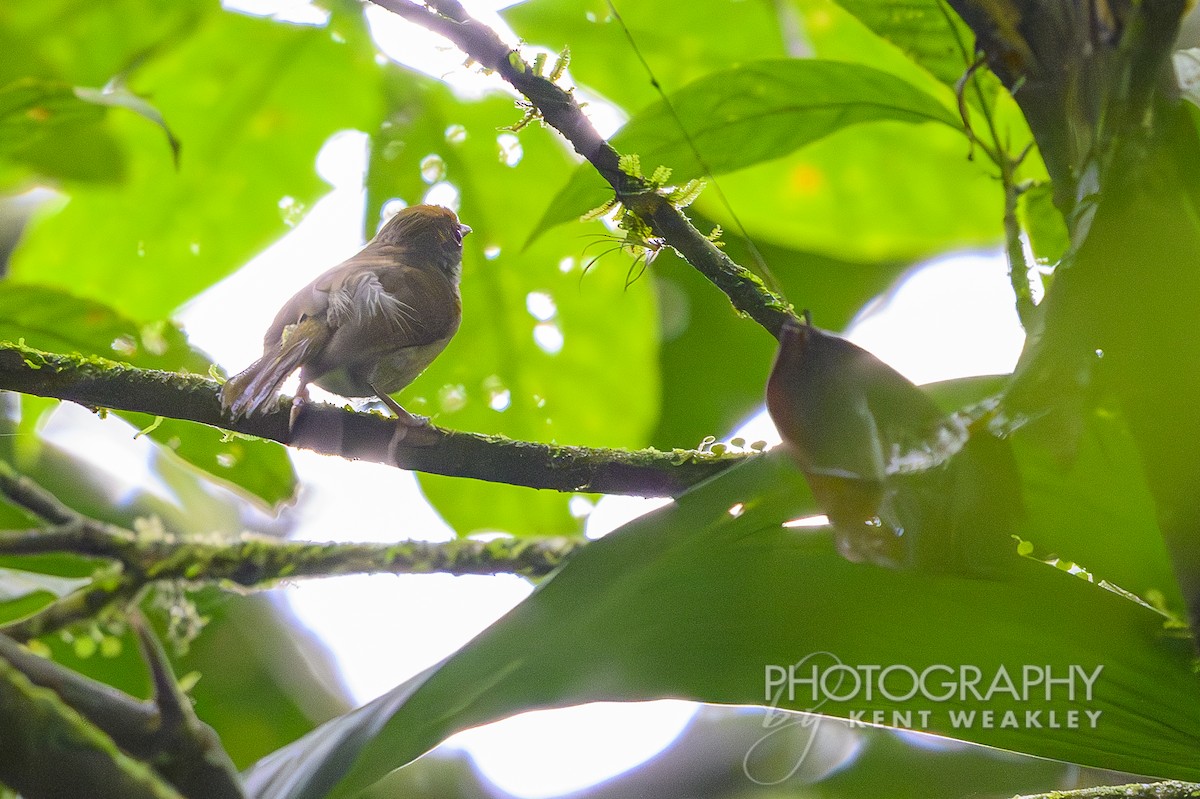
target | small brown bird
[{"x": 369, "y": 325}]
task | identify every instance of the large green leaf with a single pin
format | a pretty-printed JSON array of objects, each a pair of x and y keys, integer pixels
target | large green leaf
[
  {"x": 851, "y": 197},
  {"x": 63, "y": 43},
  {"x": 597, "y": 384},
  {"x": 750, "y": 114},
  {"x": 53, "y": 320},
  {"x": 86, "y": 43},
  {"x": 721, "y": 591},
  {"x": 252, "y": 101},
  {"x": 1111, "y": 340},
  {"x": 705, "y": 35},
  {"x": 927, "y": 31},
  {"x": 46, "y": 127}
]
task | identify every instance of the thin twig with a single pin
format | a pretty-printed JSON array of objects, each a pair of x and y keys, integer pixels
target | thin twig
[{"x": 1018, "y": 264}]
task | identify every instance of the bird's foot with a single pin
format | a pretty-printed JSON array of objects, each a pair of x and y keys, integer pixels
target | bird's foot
[
  {"x": 405, "y": 418},
  {"x": 298, "y": 403}
]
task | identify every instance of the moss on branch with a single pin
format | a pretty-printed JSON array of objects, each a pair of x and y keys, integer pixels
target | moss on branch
[{"x": 98, "y": 383}]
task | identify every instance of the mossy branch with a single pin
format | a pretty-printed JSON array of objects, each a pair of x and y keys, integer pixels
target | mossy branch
[
  {"x": 98, "y": 383},
  {"x": 246, "y": 561},
  {"x": 561, "y": 111},
  {"x": 68, "y": 735},
  {"x": 1153, "y": 790}
]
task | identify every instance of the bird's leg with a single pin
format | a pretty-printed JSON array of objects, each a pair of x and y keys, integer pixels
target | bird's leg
[
  {"x": 407, "y": 419},
  {"x": 404, "y": 422},
  {"x": 298, "y": 403}
]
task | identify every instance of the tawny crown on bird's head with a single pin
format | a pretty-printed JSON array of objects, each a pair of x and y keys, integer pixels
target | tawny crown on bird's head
[{"x": 427, "y": 230}]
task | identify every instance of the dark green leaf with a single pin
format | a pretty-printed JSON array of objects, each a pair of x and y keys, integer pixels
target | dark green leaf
[{"x": 1117, "y": 341}]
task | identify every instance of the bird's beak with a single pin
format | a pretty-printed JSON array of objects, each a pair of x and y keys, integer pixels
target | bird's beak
[{"x": 464, "y": 229}]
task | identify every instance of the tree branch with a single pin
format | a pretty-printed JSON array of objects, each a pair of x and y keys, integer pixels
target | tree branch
[
  {"x": 248, "y": 561},
  {"x": 51, "y": 750},
  {"x": 98, "y": 383},
  {"x": 166, "y": 734},
  {"x": 559, "y": 109},
  {"x": 1154, "y": 790}
]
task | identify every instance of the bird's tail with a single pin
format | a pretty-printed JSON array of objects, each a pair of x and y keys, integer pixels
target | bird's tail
[{"x": 252, "y": 390}]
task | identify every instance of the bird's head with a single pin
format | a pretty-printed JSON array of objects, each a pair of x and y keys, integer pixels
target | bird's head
[{"x": 427, "y": 232}]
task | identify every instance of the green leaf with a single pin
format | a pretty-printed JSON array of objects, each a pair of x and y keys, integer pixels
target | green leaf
[
  {"x": 600, "y": 388},
  {"x": 23, "y": 593},
  {"x": 1044, "y": 224},
  {"x": 123, "y": 98},
  {"x": 87, "y": 44},
  {"x": 927, "y": 31},
  {"x": 49, "y": 319},
  {"x": 850, "y": 197},
  {"x": 750, "y": 114},
  {"x": 720, "y": 595},
  {"x": 252, "y": 101},
  {"x": 701, "y": 41},
  {"x": 1108, "y": 346},
  {"x": 18, "y": 583},
  {"x": 45, "y": 126}
]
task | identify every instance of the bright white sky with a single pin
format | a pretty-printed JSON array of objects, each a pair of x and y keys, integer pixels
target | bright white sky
[{"x": 953, "y": 318}]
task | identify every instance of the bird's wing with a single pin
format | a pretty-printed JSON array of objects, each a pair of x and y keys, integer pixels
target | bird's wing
[{"x": 381, "y": 308}]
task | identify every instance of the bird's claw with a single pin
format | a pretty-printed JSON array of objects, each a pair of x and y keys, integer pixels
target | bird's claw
[{"x": 294, "y": 414}]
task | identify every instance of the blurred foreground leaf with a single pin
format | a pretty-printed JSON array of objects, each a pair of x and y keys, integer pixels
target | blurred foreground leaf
[
  {"x": 252, "y": 101},
  {"x": 722, "y": 591}
]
